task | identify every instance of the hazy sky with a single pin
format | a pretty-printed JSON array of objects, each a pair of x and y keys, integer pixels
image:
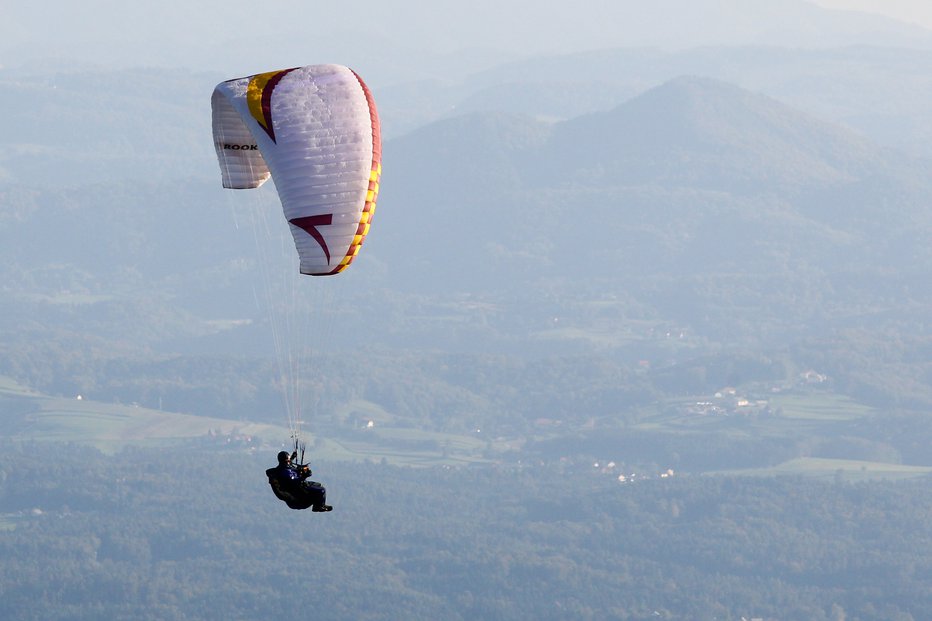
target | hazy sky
[
  {"x": 915, "y": 11},
  {"x": 230, "y": 36}
]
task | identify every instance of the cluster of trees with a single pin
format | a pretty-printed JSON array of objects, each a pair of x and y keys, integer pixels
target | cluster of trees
[
  {"x": 429, "y": 390},
  {"x": 178, "y": 533}
]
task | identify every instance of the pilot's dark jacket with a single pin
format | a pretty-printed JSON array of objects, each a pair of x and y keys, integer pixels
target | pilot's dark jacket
[{"x": 290, "y": 486}]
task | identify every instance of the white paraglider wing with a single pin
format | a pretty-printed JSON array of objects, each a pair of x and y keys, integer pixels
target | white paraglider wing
[{"x": 315, "y": 130}]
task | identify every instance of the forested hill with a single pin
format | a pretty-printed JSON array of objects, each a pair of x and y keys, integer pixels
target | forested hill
[{"x": 698, "y": 201}]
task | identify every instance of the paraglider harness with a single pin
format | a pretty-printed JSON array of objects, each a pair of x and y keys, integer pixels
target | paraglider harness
[{"x": 297, "y": 493}]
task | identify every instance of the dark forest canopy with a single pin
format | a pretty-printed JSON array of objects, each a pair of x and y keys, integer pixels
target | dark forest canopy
[{"x": 175, "y": 534}]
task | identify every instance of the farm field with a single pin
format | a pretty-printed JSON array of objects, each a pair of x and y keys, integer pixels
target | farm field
[{"x": 31, "y": 418}]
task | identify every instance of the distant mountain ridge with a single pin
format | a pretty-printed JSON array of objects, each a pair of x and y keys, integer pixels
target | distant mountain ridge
[
  {"x": 705, "y": 132},
  {"x": 687, "y": 117},
  {"x": 879, "y": 91},
  {"x": 688, "y": 196},
  {"x": 690, "y": 132}
]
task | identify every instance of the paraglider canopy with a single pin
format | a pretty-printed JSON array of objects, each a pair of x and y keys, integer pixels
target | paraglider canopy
[{"x": 315, "y": 131}]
